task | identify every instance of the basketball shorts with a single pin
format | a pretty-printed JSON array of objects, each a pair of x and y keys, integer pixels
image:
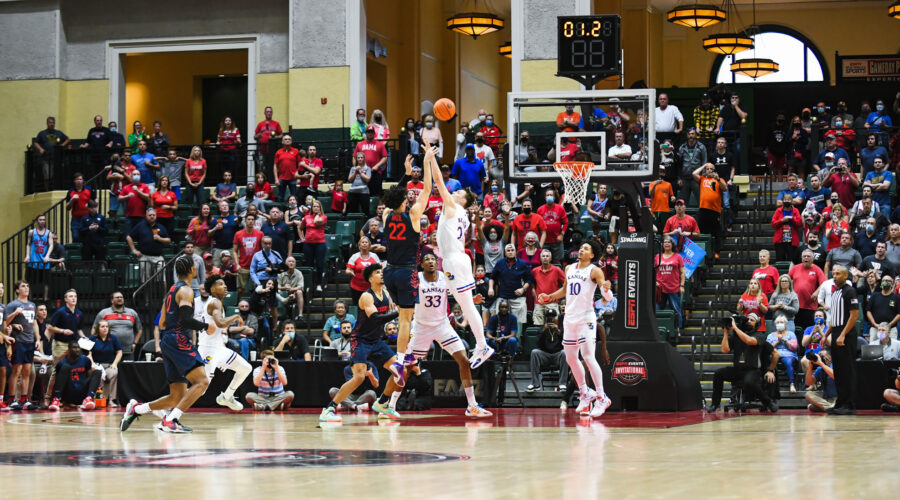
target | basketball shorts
[
  {"x": 422, "y": 336},
  {"x": 179, "y": 356},
  {"x": 4, "y": 358},
  {"x": 23, "y": 353},
  {"x": 458, "y": 271},
  {"x": 216, "y": 357},
  {"x": 402, "y": 284},
  {"x": 377, "y": 351},
  {"x": 578, "y": 330}
]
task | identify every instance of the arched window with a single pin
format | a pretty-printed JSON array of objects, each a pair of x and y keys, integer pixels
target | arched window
[{"x": 798, "y": 59}]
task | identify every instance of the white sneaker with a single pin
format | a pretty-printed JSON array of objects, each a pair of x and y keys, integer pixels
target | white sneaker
[
  {"x": 600, "y": 407},
  {"x": 319, "y": 288},
  {"x": 231, "y": 403},
  {"x": 362, "y": 408},
  {"x": 584, "y": 404},
  {"x": 563, "y": 406},
  {"x": 480, "y": 355}
]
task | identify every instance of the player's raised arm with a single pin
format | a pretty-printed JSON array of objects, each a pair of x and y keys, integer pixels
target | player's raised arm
[
  {"x": 416, "y": 211},
  {"x": 442, "y": 188}
]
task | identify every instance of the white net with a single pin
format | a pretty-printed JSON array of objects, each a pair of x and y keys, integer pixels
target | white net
[{"x": 575, "y": 176}]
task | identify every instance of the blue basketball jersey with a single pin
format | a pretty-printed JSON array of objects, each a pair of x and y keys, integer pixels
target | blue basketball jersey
[{"x": 402, "y": 241}]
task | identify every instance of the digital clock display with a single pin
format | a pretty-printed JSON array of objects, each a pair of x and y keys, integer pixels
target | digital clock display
[{"x": 589, "y": 45}]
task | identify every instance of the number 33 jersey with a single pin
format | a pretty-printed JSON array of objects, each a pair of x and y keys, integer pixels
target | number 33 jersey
[{"x": 431, "y": 303}]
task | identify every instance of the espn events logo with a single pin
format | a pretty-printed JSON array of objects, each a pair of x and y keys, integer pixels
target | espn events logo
[
  {"x": 629, "y": 369},
  {"x": 631, "y": 294}
]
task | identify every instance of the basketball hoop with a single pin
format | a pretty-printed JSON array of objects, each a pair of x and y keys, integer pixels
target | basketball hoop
[{"x": 575, "y": 176}]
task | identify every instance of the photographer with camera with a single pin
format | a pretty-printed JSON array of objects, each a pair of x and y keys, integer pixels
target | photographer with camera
[
  {"x": 270, "y": 380},
  {"x": 749, "y": 351},
  {"x": 844, "y": 313},
  {"x": 549, "y": 353},
  {"x": 821, "y": 400},
  {"x": 815, "y": 338}
]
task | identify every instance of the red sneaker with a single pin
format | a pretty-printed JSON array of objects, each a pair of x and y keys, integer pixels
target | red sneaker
[
  {"x": 3, "y": 406},
  {"x": 54, "y": 405},
  {"x": 87, "y": 404}
]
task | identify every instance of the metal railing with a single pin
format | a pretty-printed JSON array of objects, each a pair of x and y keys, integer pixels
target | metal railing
[
  {"x": 15, "y": 249},
  {"x": 53, "y": 171},
  {"x": 155, "y": 282}
]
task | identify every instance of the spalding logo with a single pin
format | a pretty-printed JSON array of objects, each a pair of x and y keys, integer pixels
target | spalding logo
[{"x": 629, "y": 369}]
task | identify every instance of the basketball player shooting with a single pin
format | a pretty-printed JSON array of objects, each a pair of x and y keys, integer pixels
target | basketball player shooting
[
  {"x": 451, "y": 230},
  {"x": 580, "y": 327},
  {"x": 212, "y": 346},
  {"x": 183, "y": 363},
  {"x": 432, "y": 324},
  {"x": 402, "y": 227}
]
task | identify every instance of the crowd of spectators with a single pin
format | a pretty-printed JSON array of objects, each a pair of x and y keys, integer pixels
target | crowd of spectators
[{"x": 520, "y": 236}]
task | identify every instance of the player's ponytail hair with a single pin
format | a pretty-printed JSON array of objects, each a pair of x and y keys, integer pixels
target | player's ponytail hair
[{"x": 183, "y": 266}]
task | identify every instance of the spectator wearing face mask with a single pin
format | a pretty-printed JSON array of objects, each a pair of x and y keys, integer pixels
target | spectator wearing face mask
[
  {"x": 380, "y": 124},
  {"x": 879, "y": 118},
  {"x": 557, "y": 222},
  {"x": 431, "y": 135},
  {"x": 880, "y": 180},
  {"x": 136, "y": 197},
  {"x": 890, "y": 344},
  {"x": 510, "y": 281},
  {"x": 359, "y": 126},
  {"x": 829, "y": 157},
  {"x": 882, "y": 308},
  {"x": 785, "y": 342}
]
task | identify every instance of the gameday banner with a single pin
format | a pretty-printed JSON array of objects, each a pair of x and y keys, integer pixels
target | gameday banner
[{"x": 877, "y": 68}]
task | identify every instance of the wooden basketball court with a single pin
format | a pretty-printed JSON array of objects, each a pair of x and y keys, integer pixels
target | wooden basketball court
[{"x": 534, "y": 453}]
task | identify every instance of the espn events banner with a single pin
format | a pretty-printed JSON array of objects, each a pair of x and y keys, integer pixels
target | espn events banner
[{"x": 883, "y": 68}]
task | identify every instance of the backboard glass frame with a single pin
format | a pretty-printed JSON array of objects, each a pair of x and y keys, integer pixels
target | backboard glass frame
[{"x": 517, "y": 100}]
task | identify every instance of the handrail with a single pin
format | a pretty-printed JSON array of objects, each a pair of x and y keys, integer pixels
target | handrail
[
  {"x": 14, "y": 249},
  {"x": 145, "y": 300}
]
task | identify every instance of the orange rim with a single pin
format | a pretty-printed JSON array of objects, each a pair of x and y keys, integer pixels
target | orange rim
[{"x": 578, "y": 169}]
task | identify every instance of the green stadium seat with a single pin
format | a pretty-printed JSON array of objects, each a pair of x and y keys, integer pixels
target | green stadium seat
[
  {"x": 230, "y": 300},
  {"x": 333, "y": 245},
  {"x": 83, "y": 281},
  {"x": 104, "y": 282},
  {"x": 347, "y": 230}
]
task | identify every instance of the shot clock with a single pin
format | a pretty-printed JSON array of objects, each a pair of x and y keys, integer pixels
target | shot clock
[{"x": 589, "y": 46}]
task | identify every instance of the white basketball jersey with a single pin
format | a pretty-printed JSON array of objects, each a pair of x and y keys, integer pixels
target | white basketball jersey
[
  {"x": 451, "y": 233},
  {"x": 217, "y": 338},
  {"x": 431, "y": 303},
  {"x": 580, "y": 293}
]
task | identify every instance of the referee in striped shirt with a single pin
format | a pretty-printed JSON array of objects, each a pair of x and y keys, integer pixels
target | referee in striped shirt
[{"x": 844, "y": 313}]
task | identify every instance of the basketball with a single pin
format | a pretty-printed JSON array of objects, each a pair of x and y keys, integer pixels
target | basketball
[{"x": 444, "y": 109}]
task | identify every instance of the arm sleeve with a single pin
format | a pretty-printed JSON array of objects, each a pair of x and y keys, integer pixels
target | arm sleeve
[{"x": 186, "y": 318}]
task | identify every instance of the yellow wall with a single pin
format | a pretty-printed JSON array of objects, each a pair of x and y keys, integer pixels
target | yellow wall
[
  {"x": 862, "y": 29},
  {"x": 308, "y": 85},
  {"x": 272, "y": 90},
  {"x": 27, "y": 103},
  {"x": 167, "y": 87},
  {"x": 444, "y": 64}
]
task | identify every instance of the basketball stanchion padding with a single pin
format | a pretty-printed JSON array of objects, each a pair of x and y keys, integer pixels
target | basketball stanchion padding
[{"x": 575, "y": 176}]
